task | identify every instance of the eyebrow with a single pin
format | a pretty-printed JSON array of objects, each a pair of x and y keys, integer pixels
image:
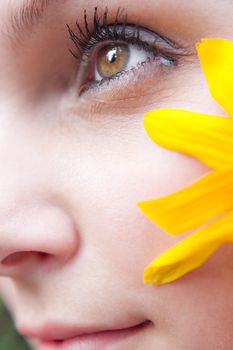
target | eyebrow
[{"x": 29, "y": 14}]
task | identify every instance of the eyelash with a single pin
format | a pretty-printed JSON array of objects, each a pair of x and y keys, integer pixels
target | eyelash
[{"x": 85, "y": 40}]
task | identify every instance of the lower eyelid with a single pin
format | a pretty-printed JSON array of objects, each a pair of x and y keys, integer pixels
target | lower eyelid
[
  {"x": 135, "y": 74},
  {"x": 129, "y": 94},
  {"x": 142, "y": 68}
]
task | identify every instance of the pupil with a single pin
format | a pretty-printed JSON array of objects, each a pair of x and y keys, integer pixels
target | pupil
[{"x": 112, "y": 55}]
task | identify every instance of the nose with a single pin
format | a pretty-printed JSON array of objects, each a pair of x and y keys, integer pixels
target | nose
[
  {"x": 37, "y": 229},
  {"x": 35, "y": 235}
]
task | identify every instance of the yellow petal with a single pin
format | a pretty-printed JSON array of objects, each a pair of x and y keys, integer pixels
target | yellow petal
[
  {"x": 205, "y": 137},
  {"x": 209, "y": 139},
  {"x": 190, "y": 253},
  {"x": 193, "y": 206},
  {"x": 216, "y": 58}
]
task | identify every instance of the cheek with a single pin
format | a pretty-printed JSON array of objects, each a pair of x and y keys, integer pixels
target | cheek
[
  {"x": 201, "y": 302},
  {"x": 133, "y": 171},
  {"x": 189, "y": 90},
  {"x": 7, "y": 292}
]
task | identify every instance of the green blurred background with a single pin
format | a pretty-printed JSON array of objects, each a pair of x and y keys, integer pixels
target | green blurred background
[{"x": 9, "y": 338}]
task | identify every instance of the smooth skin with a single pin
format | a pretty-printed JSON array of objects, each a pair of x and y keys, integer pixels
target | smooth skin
[{"x": 73, "y": 244}]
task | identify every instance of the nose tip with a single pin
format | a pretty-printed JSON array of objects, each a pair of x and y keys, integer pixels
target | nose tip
[{"x": 34, "y": 235}]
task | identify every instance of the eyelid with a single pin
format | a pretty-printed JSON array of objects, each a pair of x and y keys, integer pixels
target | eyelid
[
  {"x": 103, "y": 27},
  {"x": 133, "y": 94},
  {"x": 140, "y": 36},
  {"x": 123, "y": 33}
]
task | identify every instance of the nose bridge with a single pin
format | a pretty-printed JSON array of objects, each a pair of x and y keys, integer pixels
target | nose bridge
[
  {"x": 17, "y": 143},
  {"x": 23, "y": 159},
  {"x": 19, "y": 173}
]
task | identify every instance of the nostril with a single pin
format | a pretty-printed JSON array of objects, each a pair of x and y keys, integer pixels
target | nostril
[{"x": 20, "y": 257}]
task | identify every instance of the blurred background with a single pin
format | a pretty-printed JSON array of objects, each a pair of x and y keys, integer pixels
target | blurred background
[{"x": 9, "y": 338}]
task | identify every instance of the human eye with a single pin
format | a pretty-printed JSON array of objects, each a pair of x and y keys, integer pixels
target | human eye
[{"x": 115, "y": 50}]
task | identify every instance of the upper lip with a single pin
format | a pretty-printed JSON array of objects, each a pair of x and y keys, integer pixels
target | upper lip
[{"x": 56, "y": 332}]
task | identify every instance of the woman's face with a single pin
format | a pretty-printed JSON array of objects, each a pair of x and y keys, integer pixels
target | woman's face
[{"x": 75, "y": 159}]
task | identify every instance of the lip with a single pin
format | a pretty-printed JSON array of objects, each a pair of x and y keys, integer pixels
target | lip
[{"x": 59, "y": 337}]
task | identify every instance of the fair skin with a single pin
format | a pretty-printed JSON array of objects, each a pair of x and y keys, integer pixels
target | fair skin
[{"x": 73, "y": 168}]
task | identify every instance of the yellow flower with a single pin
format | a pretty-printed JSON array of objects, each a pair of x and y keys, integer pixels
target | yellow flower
[{"x": 206, "y": 205}]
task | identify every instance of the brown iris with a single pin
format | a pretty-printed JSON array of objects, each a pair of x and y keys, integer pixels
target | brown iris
[{"x": 112, "y": 59}]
